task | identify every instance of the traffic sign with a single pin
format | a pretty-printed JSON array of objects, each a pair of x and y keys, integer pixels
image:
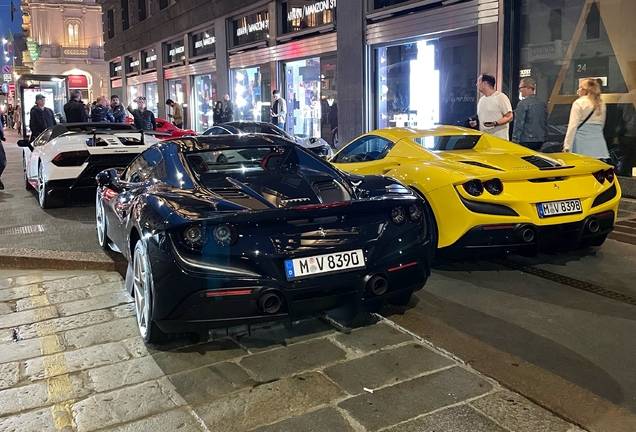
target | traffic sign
[
  {"x": 6, "y": 77},
  {"x": 6, "y": 69},
  {"x": 5, "y": 88}
]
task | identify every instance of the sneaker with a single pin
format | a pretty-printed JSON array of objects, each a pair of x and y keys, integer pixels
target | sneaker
[{"x": 1, "y": 185}]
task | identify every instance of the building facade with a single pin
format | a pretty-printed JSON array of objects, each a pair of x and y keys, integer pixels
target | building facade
[
  {"x": 65, "y": 38},
  {"x": 366, "y": 64}
]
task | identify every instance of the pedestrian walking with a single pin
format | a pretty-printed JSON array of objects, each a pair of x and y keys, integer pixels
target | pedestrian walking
[
  {"x": 217, "y": 114},
  {"x": 17, "y": 119},
  {"x": 531, "y": 117},
  {"x": 494, "y": 110},
  {"x": 74, "y": 109},
  {"x": 100, "y": 112},
  {"x": 118, "y": 110},
  {"x": 278, "y": 110},
  {"x": 40, "y": 117},
  {"x": 10, "y": 111},
  {"x": 144, "y": 118},
  {"x": 177, "y": 113},
  {"x": 3, "y": 156},
  {"x": 228, "y": 109},
  {"x": 587, "y": 119}
]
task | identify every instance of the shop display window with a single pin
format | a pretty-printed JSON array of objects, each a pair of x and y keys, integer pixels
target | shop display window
[
  {"x": 427, "y": 82},
  {"x": 598, "y": 34},
  {"x": 204, "y": 95},
  {"x": 152, "y": 102},
  {"x": 248, "y": 95},
  {"x": 302, "y": 91},
  {"x": 55, "y": 93}
]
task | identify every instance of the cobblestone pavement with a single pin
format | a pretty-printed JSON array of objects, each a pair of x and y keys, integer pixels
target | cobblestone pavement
[{"x": 71, "y": 359}]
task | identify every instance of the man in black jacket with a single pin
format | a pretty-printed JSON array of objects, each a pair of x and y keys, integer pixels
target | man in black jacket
[
  {"x": 40, "y": 117},
  {"x": 144, "y": 118},
  {"x": 100, "y": 112},
  {"x": 74, "y": 109}
]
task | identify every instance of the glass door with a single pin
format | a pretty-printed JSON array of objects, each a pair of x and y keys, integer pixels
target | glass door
[
  {"x": 303, "y": 87},
  {"x": 204, "y": 95}
]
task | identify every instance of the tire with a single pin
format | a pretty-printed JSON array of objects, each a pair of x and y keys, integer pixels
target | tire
[
  {"x": 143, "y": 292},
  {"x": 27, "y": 185},
  {"x": 100, "y": 219},
  {"x": 44, "y": 198}
]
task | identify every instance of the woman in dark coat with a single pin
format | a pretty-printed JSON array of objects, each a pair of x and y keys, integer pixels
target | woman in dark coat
[{"x": 218, "y": 113}]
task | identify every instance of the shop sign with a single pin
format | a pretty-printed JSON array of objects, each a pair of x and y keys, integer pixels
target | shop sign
[
  {"x": 203, "y": 43},
  {"x": 77, "y": 81},
  {"x": 175, "y": 51},
  {"x": 149, "y": 59},
  {"x": 34, "y": 49},
  {"x": 301, "y": 15},
  {"x": 132, "y": 64},
  {"x": 115, "y": 69},
  {"x": 251, "y": 28}
]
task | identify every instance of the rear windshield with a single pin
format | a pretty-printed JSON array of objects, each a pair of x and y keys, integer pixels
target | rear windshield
[
  {"x": 448, "y": 142},
  {"x": 211, "y": 166}
]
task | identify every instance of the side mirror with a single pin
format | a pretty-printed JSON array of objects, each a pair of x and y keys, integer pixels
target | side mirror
[
  {"x": 24, "y": 143},
  {"x": 106, "y": 177}
]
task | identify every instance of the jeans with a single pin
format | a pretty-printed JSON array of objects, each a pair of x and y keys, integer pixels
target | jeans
[
  {"x": 3, "y": 159},
  {"x": 281, "y": 125},
  {"x": 536, "y": 146}
]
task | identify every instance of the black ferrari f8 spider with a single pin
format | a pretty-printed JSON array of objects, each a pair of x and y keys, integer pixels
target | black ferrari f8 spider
[{"x": 271, "y": 232}]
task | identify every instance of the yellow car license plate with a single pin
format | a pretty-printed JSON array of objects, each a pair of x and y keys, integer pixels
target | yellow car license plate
[
  {"x": 324, "y": 264},
  {"x": 556, "y": 208}
]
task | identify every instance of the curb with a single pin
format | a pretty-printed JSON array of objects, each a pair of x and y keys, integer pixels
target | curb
[{"x": 40, "y": 259}]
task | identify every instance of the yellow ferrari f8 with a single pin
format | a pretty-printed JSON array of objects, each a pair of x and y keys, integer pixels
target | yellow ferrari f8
[{"x": 486, "y": 193}]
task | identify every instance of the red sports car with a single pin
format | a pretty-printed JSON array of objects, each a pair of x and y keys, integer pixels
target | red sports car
[{"x": 164, "y": 125}]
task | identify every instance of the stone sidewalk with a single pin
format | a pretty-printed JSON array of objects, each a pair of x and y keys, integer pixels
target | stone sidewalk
[{"x": 71, "y": 360}]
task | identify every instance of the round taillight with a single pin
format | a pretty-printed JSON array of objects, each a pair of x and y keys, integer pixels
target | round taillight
[
  {"x": 415, "y": 212},
  {"x": 398, "y": 215},
  {"x": 225, "y": 234},
  {"x": 195, "y": 236},
  {"x": 609, "y": 175},
  {"x": 494, "y": 186},
  {"x": 474, "y": 187},
  {"x": 600, "y": 176}
]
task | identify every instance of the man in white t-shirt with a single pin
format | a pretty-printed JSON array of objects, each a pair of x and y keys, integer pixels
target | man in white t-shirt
[{"x": 494, "y": 109}]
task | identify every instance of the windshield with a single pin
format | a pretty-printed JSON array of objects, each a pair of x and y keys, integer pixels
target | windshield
[{"x": 448, "y": 142}]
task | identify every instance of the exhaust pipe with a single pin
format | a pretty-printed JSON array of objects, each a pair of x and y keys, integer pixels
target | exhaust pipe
[
  {"x": 269, "y": 303},
  {"x": 593, "y": 226},
  {"x": 527, "y": 234},
  {"x": 378, "y": 285}
]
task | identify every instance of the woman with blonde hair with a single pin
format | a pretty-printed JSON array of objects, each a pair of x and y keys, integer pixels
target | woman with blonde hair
[{"x": 587, "y": 119}]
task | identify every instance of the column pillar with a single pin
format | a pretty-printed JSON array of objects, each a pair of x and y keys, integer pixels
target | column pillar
[
  {"x": 351, "y": 65},
  {"x": 222, "y": 61}
]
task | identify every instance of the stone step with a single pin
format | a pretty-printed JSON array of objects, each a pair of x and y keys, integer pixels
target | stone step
[
  {"x": 628, "y": 186},
  {"x": 628, "y": 204}
]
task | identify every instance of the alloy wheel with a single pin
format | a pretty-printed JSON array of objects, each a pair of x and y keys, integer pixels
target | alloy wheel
[
  {"x": 41, "y": 187},
  {"x": 101, "y": 222},
  {"x": 141, "y": 287}
]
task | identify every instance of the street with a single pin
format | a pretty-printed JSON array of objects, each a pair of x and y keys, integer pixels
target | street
[{"x": 525, "y": 344}]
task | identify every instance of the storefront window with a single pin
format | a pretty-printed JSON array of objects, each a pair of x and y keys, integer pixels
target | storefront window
[
  {"x": 427, "y": 82},
  {"x": 149, "y": 59},
  {"x": 152, "y": 103},
  {"x": 204, "y": 94},
  {"x": 251, "y": 28},
  {"x": 598, "y": 35},
  {"x": 248, "y": 97},
  {"x": 311, "y": 95},
  {"x": 203, "y": 43},
  {"x": 133, "y": 92},
  {"x": 299, "y": 15}
]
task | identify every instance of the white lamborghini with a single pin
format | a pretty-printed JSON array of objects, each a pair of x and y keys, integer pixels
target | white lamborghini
[{"x": 65, "y": 158}]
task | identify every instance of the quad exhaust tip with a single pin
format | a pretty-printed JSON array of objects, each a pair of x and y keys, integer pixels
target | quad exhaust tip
[
  {"x": 378, "y": 285},
  {"x": 270, "y": 303},
  {"x": 593, "y": 226},
  {"x": 527, "y": 235}
]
